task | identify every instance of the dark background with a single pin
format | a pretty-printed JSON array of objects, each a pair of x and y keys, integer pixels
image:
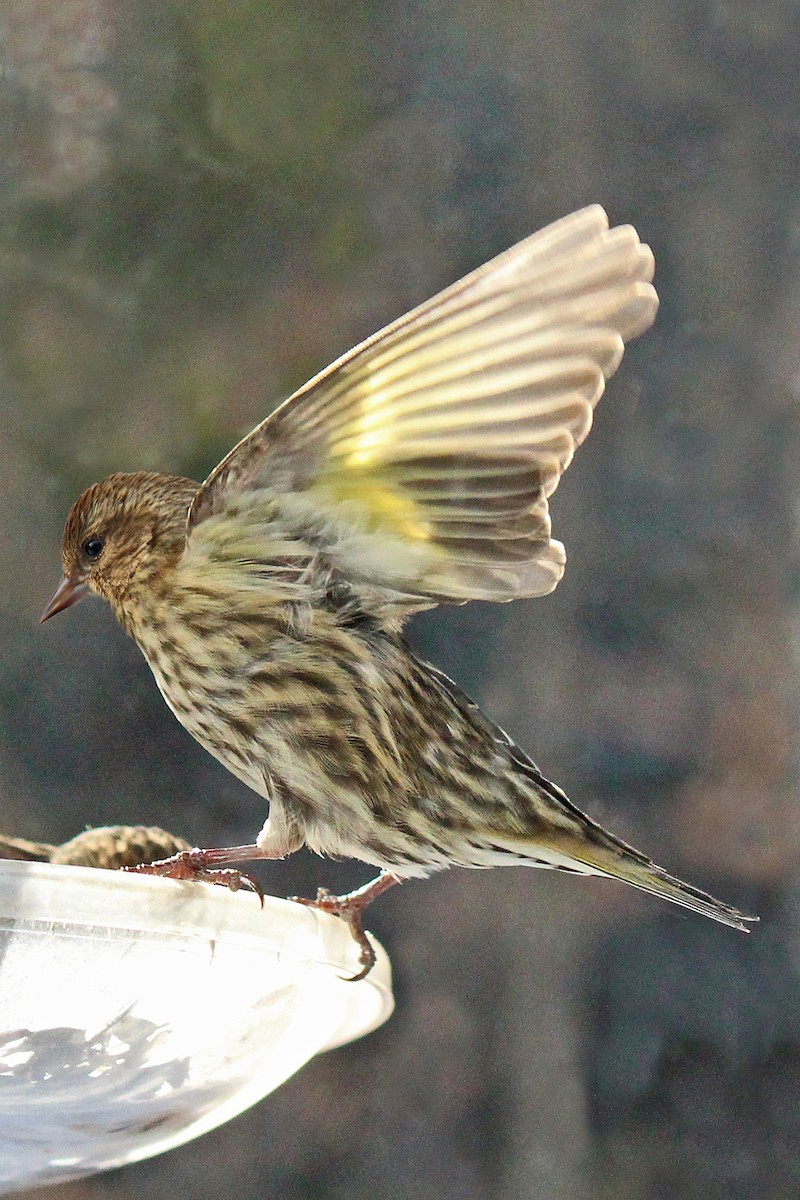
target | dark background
[{"x": 201, "y": 204}]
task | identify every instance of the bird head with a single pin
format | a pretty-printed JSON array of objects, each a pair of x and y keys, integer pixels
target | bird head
[{"x": 125, "y": 525}]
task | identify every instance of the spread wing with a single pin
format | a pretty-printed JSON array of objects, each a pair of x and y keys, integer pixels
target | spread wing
[{"x": 420, "y": 463}]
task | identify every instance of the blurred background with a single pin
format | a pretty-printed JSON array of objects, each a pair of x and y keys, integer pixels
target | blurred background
[{"x": 204, "y": 203}]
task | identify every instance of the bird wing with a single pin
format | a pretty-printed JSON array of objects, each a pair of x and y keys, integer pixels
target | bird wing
[{"x": 421, "y": 462}]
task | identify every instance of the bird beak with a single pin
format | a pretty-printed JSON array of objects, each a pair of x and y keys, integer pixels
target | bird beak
[{"x": 68, "y": 592}]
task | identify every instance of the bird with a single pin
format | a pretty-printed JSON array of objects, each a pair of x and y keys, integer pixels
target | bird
[
  {"x": 416, "y": 470},
  {"x": 107, "y": 846}
]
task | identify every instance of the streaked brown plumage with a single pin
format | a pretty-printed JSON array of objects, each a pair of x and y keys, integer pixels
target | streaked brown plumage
[
  {"x": 107, "y": 846},
  {"x": 269, "y": 601}
]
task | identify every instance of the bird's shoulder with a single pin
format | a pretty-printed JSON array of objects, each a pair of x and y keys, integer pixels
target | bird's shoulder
[{"x": 288, "y": 550}]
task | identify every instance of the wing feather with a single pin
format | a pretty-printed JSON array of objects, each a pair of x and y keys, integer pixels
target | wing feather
[{"x": 420, "y": 463}]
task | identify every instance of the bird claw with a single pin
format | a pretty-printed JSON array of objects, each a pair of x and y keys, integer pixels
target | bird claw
[
  {"x": 350, "y": 908},
  {"x": 193, "y": 865}
]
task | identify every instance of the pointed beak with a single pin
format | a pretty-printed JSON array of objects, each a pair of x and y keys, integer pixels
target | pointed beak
[{"x": 68, "y": 592}]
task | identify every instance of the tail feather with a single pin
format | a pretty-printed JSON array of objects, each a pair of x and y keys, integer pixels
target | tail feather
[
  {"x": 640, "y": 873},
  {"x": 23, "y": 850},
  {"x": 569, "y": 840},
  {"x": 592, "y": 851}
]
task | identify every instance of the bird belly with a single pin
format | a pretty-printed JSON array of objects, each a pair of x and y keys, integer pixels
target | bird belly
[
  {"x": 265, "y": 749},
  {"x": 197, "y": 711},
  {"x": 366, "y": 752}
]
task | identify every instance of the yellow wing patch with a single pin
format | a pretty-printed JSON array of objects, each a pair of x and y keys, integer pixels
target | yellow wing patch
[{"x": 422, "y": 460}]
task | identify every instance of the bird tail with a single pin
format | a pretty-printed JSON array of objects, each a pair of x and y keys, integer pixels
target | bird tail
[
  {"x": 618, "y": 861},
  {"x": 23, "y": 850},
  {"x": 590, "y": 850},
  {"x": 568, "y": 840}
]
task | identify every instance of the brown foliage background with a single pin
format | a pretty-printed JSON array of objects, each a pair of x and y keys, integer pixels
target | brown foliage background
[{"x": 202, "y": 204}]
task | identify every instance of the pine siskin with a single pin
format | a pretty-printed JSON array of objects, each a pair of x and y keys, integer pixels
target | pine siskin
[
  {"x": 416, "y": 470},
  {"x": 108, "y": 846}
]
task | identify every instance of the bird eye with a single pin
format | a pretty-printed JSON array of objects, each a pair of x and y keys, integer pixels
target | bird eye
[{"x": 93, "y": 547}]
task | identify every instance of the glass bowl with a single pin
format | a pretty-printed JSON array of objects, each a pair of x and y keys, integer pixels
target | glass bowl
[{"x": 137, "y": 1013}]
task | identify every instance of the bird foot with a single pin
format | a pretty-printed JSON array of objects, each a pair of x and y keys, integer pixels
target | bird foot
[
  {"x": 350, "y": 912},
  {"x": 195, "y": 865},
  {"x": 350, "y": 908}
]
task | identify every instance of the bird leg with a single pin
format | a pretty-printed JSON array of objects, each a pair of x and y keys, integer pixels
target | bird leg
[
  {"x": 219, "y": 866},
  {"x": 278, "y": 838},
  {"x": 208, "y": 866},
  {"x": 350, "y": 908}
]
